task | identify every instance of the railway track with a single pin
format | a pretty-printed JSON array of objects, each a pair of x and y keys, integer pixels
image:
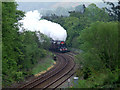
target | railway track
[
  {"x": 68, "y": 74},
  {"x": 63, "y": 70}
]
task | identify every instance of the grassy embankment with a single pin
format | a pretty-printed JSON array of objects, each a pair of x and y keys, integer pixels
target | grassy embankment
[{"x": 42, "y": 66}]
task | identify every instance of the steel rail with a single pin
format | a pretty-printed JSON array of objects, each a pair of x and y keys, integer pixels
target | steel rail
[
  {"x": 66, "y": 74},
  {"x": 51, "y": 74},
  {"x": 40, "y": 77},
  {"x": 35, "y": 82},
  {"x": 47, "y": 86},
  {"x": 57, "y": 71}
]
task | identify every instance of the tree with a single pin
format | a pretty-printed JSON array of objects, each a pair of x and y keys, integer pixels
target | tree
[
  {"x": 20, "y": 51},
  {"x": 99, "y": 43},
  {"x": 71, "y": 25},
  {"x": 10, "y": 45},
  {"x": 78, "y": 21},
  {"x": 99, "y": 57}
]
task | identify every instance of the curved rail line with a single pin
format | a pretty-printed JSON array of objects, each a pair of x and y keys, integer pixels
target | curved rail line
[
  {"x": 43, "y": 77},
  {"x": 67, "y": 75},
  {"x": 64, "y": 67},
  {"x": 52, "y": 76}
]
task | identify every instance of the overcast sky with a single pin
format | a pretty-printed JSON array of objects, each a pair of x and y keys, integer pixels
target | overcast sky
[
  {"x": 37, "y": 4},
  {"x": 64, "y": 0}
]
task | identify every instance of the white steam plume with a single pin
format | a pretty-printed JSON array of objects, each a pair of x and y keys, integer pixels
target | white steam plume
[{"x": 32, "y": 22}]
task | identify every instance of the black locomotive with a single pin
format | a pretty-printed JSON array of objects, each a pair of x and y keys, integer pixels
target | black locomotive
[{"x": 58, "y": 46}]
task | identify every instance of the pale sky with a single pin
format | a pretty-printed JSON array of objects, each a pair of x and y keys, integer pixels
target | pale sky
[
  {"x": 60, "y": 0},
  {"x": 63, "y": 0}
]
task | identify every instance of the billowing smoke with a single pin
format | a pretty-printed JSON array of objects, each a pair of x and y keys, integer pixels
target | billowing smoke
[{"x": 32, "y": 21}]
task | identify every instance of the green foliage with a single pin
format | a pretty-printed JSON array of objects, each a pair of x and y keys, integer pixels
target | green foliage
[
  {"x": 20, "y": 51},
  {"x": 45, "y": 65},
  {"x": 97, "y": 38},
  {"x": 77, "y": 21},
  {"x": 99, "y": 58},
  {"x": 10, "y": 43},
  {"x": 100, "y": 79},
  {"x": 100, "y": 42},
  {"x": 44, "y": 41},
  {"x": 93, "y": 13},
  {"x": 30, "y": 50},
  {"x": 71, "y": 24}
]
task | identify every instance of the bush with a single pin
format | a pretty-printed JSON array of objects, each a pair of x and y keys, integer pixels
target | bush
[
  {"x": 100, "y": 45},
  {"x": 99, "y": 59},
  {"x": 104, "y": 78}
]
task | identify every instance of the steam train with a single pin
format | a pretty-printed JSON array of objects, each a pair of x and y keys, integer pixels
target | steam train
[{"x": 58, "y": 46}]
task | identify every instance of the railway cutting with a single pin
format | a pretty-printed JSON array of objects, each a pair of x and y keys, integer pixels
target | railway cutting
[{"x": 56, "y": 76}]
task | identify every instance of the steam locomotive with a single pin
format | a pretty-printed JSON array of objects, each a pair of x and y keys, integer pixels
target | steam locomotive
[{"x": 58, "y": 46}]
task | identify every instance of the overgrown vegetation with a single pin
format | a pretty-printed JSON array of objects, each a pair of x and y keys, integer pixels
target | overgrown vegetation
[
  {"x": 42, "y": 67},
  {"x": 99, "y": 60},
  {"x": 20, "y": 51}
]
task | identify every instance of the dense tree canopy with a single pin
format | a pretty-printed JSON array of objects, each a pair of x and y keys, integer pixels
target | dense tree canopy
[
  {"x": 101, "y": 40},
  {"x": 20, "y": 51},
  {"x": 99, "y": 44},
  {"x": 10, "y": 44}
]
